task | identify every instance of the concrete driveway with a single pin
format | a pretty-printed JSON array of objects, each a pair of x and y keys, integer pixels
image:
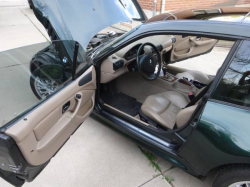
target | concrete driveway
[{"x": 95, "y": 156}]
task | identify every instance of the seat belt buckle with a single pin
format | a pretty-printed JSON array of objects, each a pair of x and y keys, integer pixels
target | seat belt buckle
[{"x": 191, "y": 96}]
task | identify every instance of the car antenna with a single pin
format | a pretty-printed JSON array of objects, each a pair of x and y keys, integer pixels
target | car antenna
[{"x": 74, "y": 60}]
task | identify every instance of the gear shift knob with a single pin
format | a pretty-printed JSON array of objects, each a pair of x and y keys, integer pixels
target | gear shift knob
[{"x": 164, "y": 69}]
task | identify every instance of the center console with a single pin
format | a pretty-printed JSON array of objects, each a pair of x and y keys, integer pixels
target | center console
[
  {"x": 180, "y": 85},
  {"x": 169, "y": 77}
]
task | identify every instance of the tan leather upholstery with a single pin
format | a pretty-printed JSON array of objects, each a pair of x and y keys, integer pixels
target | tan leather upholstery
[
  {"x": 195, "y": 75},
  {"x": 184, "y": 115},
  {"x": 164, "y": 107},
  {"x": 46, "y": 128},
  {"x": 190, "y": 46}
]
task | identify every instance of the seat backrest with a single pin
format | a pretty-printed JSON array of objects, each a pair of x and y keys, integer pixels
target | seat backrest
[
  {"x": 200, "y": 76},
  {"x": 184, "y": 115}
]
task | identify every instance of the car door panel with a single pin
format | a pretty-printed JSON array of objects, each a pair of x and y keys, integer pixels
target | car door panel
[
  {"x": 190, "y": 46},
  {"x": 44, "y": 130}
]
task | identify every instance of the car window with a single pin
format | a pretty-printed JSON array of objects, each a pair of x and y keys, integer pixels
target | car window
[
  {"x": 114, "y": 43},
  {"x": 29, "y": 75},
  {"x": 235, "y": 84}
]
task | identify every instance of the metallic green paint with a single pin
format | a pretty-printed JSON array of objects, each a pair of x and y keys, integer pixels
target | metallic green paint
[
  {"x": 220, "y": 138},
  {"x": 227, "y": 127}
]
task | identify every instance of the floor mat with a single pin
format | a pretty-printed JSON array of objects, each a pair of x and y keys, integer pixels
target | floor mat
[{"x": 123, "y": 102}]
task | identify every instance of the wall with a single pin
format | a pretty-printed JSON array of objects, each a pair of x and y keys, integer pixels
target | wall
[{"x": 183, "y": 4}]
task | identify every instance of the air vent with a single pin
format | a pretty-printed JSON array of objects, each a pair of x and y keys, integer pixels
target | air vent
[{"x": 207, "y": 11}]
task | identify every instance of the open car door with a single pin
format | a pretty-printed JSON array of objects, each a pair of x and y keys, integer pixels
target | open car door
[
  {"x": 30, "y": 140},
  {"x": 190, "y": 46}
]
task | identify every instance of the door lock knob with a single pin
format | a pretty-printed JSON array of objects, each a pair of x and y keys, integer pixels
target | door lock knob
[{"x": 78, "y": 96}]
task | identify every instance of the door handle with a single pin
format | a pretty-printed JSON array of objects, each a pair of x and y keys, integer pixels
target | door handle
[
  {"x": 78, "y": 98},
  {"x": 185, "y": 55},
  {"x": 65, "y": 107},
  {"x": 56, "y": 130},
  {"x": 200, "y": 43}
]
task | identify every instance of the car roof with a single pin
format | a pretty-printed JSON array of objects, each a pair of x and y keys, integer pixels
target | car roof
[
  {"x": 226, "y": 29},
  {"x": 218, "y": 29}
]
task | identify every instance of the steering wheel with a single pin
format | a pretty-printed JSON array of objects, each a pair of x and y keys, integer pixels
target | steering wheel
[{"x": 149, "y": 65}]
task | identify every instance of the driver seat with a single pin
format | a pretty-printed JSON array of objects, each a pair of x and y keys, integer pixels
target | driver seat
[{"x": 167, "y": 109}]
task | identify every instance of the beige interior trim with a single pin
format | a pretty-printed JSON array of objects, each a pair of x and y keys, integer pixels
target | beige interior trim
[
  {"x": 163, "y": 107},
  {"x": 190, "y": 46},
  {"x": 167, "y": 44},
  {"x": 156, "y": 40},
  {"x": 107, "y": 72},
  {"x": 107, "y": 64},
  {"x": 107, "y": 77},
  {"x": 174, "y": 69},
  {"x": 134, "y": 85},
  {"x": 135, "y": 118},
  {"x": 46, "y": 129}
]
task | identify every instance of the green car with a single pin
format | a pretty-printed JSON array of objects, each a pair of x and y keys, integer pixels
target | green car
[{"x": 178, "y": 88}]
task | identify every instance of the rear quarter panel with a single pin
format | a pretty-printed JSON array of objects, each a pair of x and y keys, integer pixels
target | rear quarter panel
[{"x": 221, "y": 137}]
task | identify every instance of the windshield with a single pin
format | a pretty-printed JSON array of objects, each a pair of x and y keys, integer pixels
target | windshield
[{"x": 111, "y": 45}]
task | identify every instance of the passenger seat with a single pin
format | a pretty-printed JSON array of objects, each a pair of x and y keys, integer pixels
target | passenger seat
[{"x": 195, "y": 75}]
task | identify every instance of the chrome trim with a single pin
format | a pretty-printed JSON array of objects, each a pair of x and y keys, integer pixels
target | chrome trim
[{"x": 240, "y": 184}]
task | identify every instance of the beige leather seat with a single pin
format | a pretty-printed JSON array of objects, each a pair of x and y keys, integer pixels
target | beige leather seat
[
  {"x": 167, "y": 109},
  {"x": 195, "y": 75}
]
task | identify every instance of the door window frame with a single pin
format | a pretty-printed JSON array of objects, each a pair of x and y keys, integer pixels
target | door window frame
[
  {"x": 220, "y": 76},
  {"x": 12, "y": 122}
]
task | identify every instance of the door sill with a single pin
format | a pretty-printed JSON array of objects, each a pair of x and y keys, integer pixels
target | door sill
[{"x": 127, "y": 115}]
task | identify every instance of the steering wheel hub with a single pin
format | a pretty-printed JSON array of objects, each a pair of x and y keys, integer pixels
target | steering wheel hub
[{"x": 149, "y": 65}]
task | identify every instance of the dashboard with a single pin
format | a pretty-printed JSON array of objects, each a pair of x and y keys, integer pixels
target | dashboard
[
  {"x": 117, "y": 64},
  {"x": 131, "y": 54}
]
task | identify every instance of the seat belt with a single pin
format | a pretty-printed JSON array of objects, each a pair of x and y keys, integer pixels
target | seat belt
[{"x": 199, "y": 96}]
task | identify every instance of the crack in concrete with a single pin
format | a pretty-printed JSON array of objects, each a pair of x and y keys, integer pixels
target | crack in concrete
[
  {"x": 157, "y": 175},
  {"x": 13, "y": 65},
  {"x": 161, "y": 173},
  {"x": 172, "y": 167},
  {"x": 35, "y": 25}
]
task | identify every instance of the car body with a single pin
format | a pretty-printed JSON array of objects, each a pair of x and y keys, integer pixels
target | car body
[
  {"x": 30, "y": 4},
  {"x": 215, "y": 136}
]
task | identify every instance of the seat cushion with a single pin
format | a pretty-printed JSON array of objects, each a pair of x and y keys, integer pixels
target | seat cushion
[
  {"x": 195, "y": 75},
  {"x": 163, "y": 107}
]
